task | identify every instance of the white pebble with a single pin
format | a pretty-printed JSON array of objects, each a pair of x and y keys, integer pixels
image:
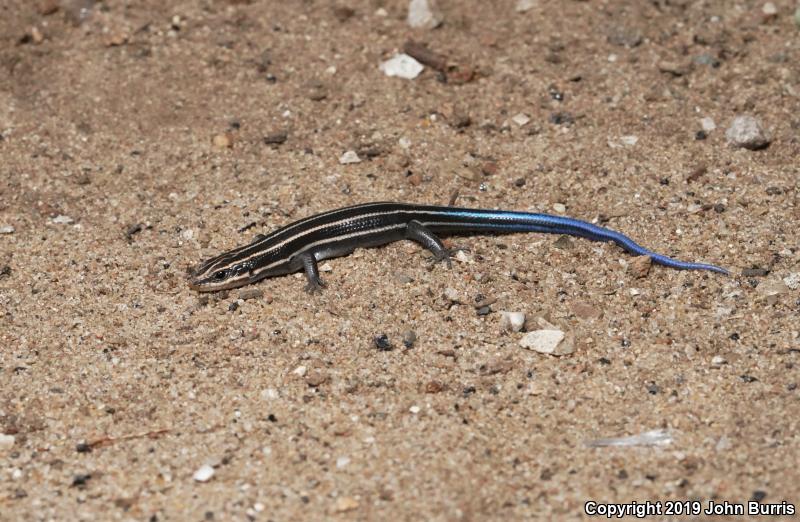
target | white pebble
[
  {"x": 747, "y": 132},
  {"x": 402, "y": 66},
  {"x": 769, "y": 9},
  {"x": 512, "y": 321},
  {"x": 270, "y": 394},
  {"x": 424, "y": 14},
  {"x": 718, "y": 360},
  {"x": 629, "y": 140},
  {"x": 381, "y": 12},
  {"x": 258, "y": 507},
  {"x": 6, "y": 442},
  {"x": 708, "y": 124},
  {"x": 547, "y": 341},
  {"x": 7, "y": 229},
  {"x": 349, "y": 157},
  {"x": 326, "y": 267},
  {"x": 63, "y": 220},
  {"x": 204, "y": 473},
  {"x": 452, "y": 294},
  {"x": 525, "y": 5},
  {"x": 521, "y": 119},
  {"x": 792, "y": 280},
  {"x": 559, "y": 207},
  {"x": 414, "y": 409},
  {"x": 342, "y": 462},
  {"x": 300, "y": 371}
]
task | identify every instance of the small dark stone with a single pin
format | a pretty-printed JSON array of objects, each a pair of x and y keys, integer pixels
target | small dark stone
[
  {"x": 622, "y": 475},
  {"x": 719, "y": 208},
  {"x": 382, "y": 343},
  {"x": 409, "y": 338},
  {"x": 774, "y": 191},
  {"x": 653, "y": 388},
  {"x": 755, "y": 272},
  {"x": 133, "y": 230},
  {"x": 734, "y": 336},
  {"x": 748, "y": 378},
  {"x": 625, "y": 343},
  {"x": 664, "y": 181},
  {"x": 79, "y": 481},
  {"x": 343, "y": 13},
  {"x": 603, "y": 360},
  {"x": 700, "y": 135},
  {"x": 5, "y": 271},
  {"x": 758, "y": 495},
  {"x": 519, "y": 182},
  {"x": 233, "y": 306},
  {"x": 562, "y": 118},
  {"x": 484, "y": 310},
  {"x": 706, "y": 59},
  {"x": 276, "y": 138},
  {"x": 272, "y": 418},
  {"x": 468, "y": 390},
  {"x": 83, "y": 447}
]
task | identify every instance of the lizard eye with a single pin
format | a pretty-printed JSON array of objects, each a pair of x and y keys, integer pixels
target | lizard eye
[{"x": 220, "y": 275}]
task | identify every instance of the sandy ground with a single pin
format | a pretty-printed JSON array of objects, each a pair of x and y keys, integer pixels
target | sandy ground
[{"x": 133, "y": 146}]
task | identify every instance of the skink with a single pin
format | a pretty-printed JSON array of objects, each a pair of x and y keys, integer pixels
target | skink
[{"x": 300, "y": 245}]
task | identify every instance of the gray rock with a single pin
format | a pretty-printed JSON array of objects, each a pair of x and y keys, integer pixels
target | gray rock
[{"x": 747, "y": 132}]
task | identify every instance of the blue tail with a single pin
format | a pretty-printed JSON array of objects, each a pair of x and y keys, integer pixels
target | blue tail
[{"x": 509, "y": 221}]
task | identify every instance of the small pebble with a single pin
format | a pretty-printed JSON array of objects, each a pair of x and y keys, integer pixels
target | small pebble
[
  {"x": 414, "y": 409},
  {"x": 747, "y": 132},
  {"x": 6, "y": 229},
  {"x": 63, "y": 220},
  {"x": 770, "y": 291},
  {"x": 6, "y": 442},
  {"x": 512, "y": 321},
  {"x": 585, "y": 310},
  {"x": 203, "y": 473},
  {"x": 402, "y": 66},
  {"x": 270, "y": 394},
  {"x": 718, "y": 361},
  {"x": 276, "y": 138},
  {"x": 639, "y": 267},
  {"x": 559, "y": 207},
  {"x": 452, "y": 295},
  {"x": 349, "y": 157},
  {"x": 521, "y": 119},
  {"x": 316, "y": 378},
  {"x": 342, "y": 462},
  {"x": 223, "y": 141},
  {"x": 250, "y": 293},
  {"x": 344, "y": 504},
  {"x": 409, "y": 338},
  {"x": 525, "y": 5},
  {"x": 424, "y": 14},
  {"x": 382, "y": 343},
  {"x": 792, "y": 280},
  {"x": 755, "y": 272},
  {"x": 550, "y": 342},
  {"x": 708, "y": 124},
  {"x": 564, "y": 243},
  {"x": 769, "y": 9},
  {"x": 300, "y": 371}
]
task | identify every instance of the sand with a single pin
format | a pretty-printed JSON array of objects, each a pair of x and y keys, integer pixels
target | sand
[{"x": 138, "y": 140}]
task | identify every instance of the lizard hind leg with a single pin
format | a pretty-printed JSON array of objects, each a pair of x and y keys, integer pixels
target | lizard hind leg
[{"x": 418, "y": 232}]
